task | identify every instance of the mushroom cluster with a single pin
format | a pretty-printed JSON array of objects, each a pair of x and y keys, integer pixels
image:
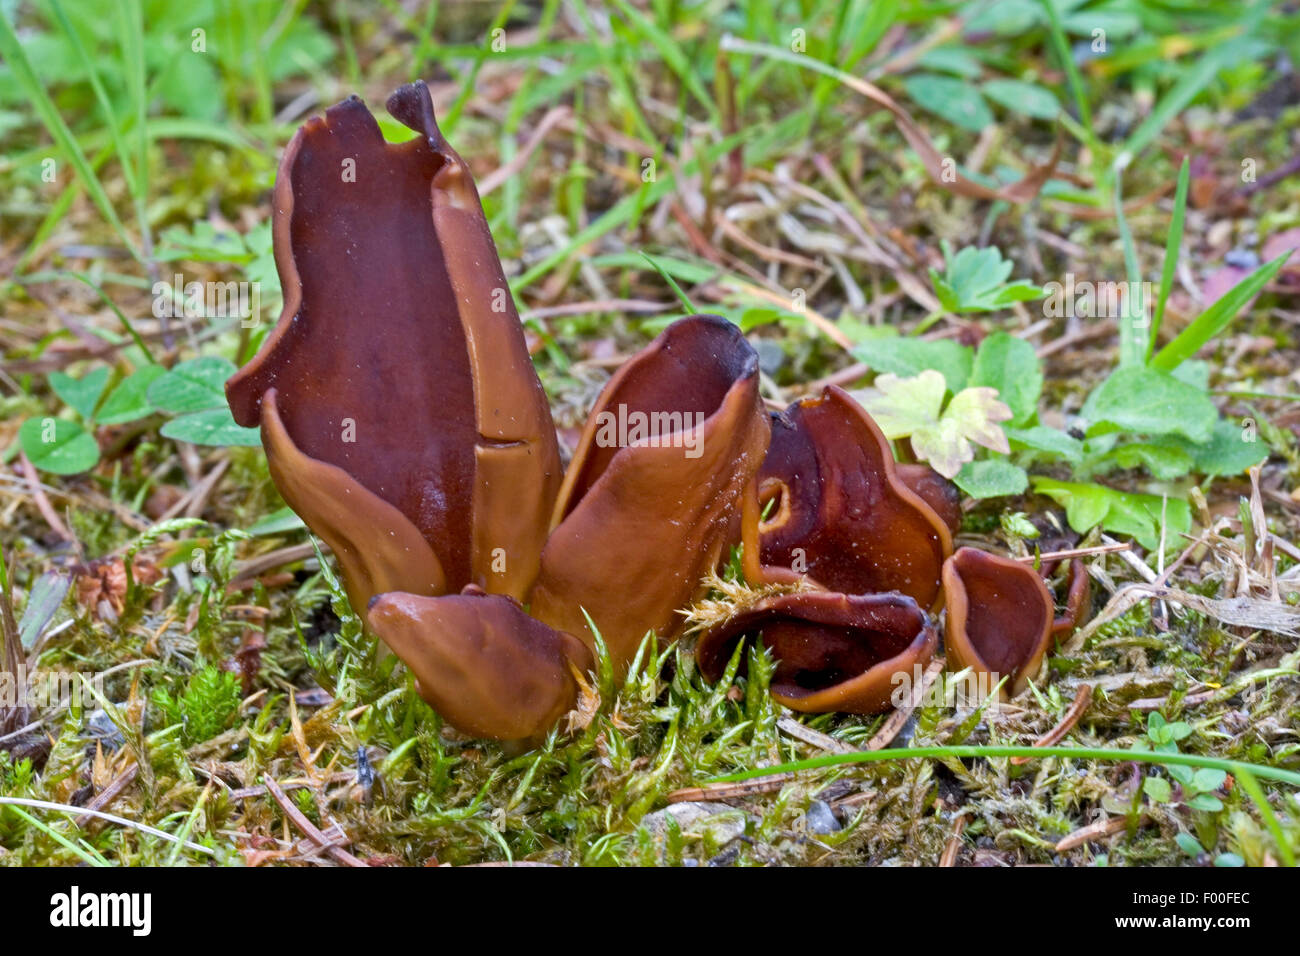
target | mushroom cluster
[{"x": 404, "y": 422}]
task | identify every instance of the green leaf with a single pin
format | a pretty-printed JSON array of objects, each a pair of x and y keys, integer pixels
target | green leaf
[
  {"x": 1010, "y": 365},
  {"x": 975, "y": 280},
  {"x": 1029, "y": 99},
  {"x": 951, "y": 59},
  {"x": 1165, "y": 458},
  {"x": 192, "y": 386},
  {"x": 957, "y": 101},
  {"x": 81, "y": 395},
  {"x": 1213, "y": 320},
  {"x": 1147, "y": 401},
  {"x": 1189, "y": 844},
  {"x": 277, "y": 522},
  {"x": 1157, "y": 788},
  {"x": 1050, "y": 440},
  {"x": 1229, "y": 451},
  {"x": 904, "y": 407},
  {"x": 991, "y": 478},
  {"x": 57, "y": 445},
  {"x": 1209, "y": 778},
  {"x": 907, "y": 357},
  {"x": 43, "y": 603},
  {"x": 1121, "y": 512},
  {"x": 129, "y": 400},
  {"x": 1193, "y": 372},
  {"x": 212, "y": 426},
  {"x": 1204, "y": 801}
]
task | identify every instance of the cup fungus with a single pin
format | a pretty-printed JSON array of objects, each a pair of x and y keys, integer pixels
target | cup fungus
[
  {"x": 834, "y": 652},
  {"x": 1078, "y": 597},
  {"x": 403, "y": 420},
  {"x": 839, "y": 511},
  {"x": 635, "y": 528},
  {"x": 1000, "y": 617},
  {"x": 400, "y": 412}
]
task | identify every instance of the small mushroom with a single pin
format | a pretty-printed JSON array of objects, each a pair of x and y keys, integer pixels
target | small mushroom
[
  {"x": 834, "y": 652},
  {"x": 1078, "y": 599},
  {"x": 640, "y": 519},
  {"x": 838, "y": 509},
  {"x": 1000, "y": 617},
  {"x": 943, "y": 497},
  {"x": 483, "y": 664}
]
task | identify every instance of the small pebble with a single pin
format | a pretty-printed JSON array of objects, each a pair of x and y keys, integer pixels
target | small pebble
[{"x": 821, "y": 818}]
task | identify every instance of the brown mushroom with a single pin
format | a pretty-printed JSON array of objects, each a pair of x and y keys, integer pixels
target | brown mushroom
[
  {"x": 1078, "y": 599},
  {"x": 943, "y": 497},
  {"x": 483, "y": 664},
  {"x": 640, "y": 520},
  {"x": 400, "y": 411},
  {"x": 1000, "y": 617},
  {"x": 838, "y": 510},
  {"x": 643, "y": 514},
  {"x": 834, "y": 652}
]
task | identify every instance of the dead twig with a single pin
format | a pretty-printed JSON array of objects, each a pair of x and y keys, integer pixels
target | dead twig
[
  {"x": 953, "y": 846},
  {"x": 1100, "y": 830},
  {"x": 42, "y": 501},
  {"x": 731, "y": 791},
  {"x": 300, "y": 820},
  {"x": 108, "y": 794},
  {"x": 894, "y": 725},
  {"x": 792, "y": 727},
  {"x": 1082, "y": 699}
]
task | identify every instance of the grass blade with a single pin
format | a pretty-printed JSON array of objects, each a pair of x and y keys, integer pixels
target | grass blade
[
  {"x": 1188, "y": 87},
  {"x": 1133, "y": 328},
  {"x": 101, "y": 96},
  {"x": 962, "y": 751},
  {"x": 11, "y": 49},
  {"x": 687, "y": 304},
  {"x": 1063, "y": 53},
  {"x": 1213, "y": 320},
  {"x": 1256, "y": 793},
  {"x": 673, "y": 56},
  {"x": 1173, "y": 246}
]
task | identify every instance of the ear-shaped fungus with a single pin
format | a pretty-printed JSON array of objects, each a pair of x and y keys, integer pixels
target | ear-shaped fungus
[
  {"x": 839, "y": 509},
  {"x": 641, "y": 518},
  {"x": 644, "y": 512},
  {"x": 487, "y": 667},
  {"x": 943, "y": 497},
  {"x": 400, "y": 411},
  {"x": 1000, "y": 617},
  {"x": 1078, "y": 598},
  {"x": 834, "y": 652}
]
